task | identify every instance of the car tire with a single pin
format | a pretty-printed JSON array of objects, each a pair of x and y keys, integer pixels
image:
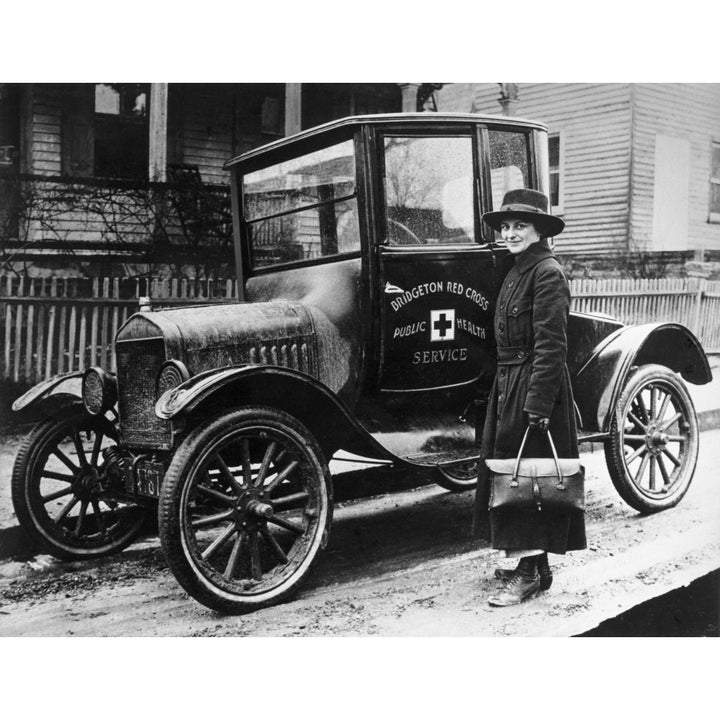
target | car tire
[
  {"x": 245, "y": 508},
  {"x": 653, "y": 445},
  {"x": 458, "y": 478},
  {"x": 61, "y": 493}
]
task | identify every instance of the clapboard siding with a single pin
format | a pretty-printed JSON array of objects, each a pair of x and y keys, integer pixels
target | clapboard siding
[
  {"x": 207, "y": 143},
  {"x": 610, "y": 135},
  {"x": 690, "y": 111},
  {"x": 595, "y": 122},
  {"x": 73, "y": 214},
  {"x": 206, "y": 131},
  {"x": 45, "y": 134}
]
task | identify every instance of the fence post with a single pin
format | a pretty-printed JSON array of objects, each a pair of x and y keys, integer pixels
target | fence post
[
  {"x": 701, "y": 274},
  {"x": 8, "y": 326},
  {"x": 18, "y": 331}
]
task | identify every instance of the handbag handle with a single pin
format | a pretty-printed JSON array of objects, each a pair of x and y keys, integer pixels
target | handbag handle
[{"x": 514, "y": 482}]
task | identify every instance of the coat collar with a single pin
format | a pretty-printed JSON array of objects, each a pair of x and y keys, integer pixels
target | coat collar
[{"x": 532, "y": 256}]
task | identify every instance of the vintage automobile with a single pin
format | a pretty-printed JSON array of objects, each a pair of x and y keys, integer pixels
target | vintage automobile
[{"x": 367, "y": 286}]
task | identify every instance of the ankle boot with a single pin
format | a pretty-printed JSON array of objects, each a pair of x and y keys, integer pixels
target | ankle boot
[
  {"x": 544, "y": 571},
  {"x": 523, "y": 585},
  {"x": 543, "y": 568},
  {"x": 505, "y": 574}
]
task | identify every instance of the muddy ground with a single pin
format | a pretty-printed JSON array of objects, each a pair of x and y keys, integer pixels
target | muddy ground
[{"x": 400, "y": 564}]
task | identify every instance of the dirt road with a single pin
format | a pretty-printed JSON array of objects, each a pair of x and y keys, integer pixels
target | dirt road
[{"x": 396, "y": 565}]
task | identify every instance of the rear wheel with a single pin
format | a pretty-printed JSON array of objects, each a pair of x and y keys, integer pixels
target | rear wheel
[
  {"x": 245, "y": 508},
  {"x": 458, "y": 478},
  {"x": 62, "y": 494},
  {"x": 653, "y": 445}
]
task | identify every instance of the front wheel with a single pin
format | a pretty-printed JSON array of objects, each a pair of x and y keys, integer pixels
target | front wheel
[
  {"x": 245, "y": 507},
  {"x": 62, "y": 494},
  {"x": 653, "y": 445}
]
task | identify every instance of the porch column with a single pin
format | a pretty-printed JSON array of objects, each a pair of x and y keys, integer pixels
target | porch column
[
  {"x": 409, "y": 96},
  {"x": 508, "y": 97},
  {"x": 27, "y": 161},
  {"x": 158, "y": 132},
  {"x": 293, "y": 108}
]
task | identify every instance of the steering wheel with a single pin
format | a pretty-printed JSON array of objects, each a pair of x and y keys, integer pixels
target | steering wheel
[{"x": 412, "y": 237}]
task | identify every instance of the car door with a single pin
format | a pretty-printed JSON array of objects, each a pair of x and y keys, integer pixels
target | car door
[{"x": 436, "y": 275}]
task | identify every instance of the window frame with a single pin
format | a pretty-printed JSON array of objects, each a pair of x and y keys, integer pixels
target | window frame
[
  {"x": 430, "y": 132},
  {"x": 558, "y": 209},
  {"x": 313, "y": 144},
  {"x": 713, "y": 217},
  {"x": 116, "y": 123},
  {"x": 532, "y": 170}
]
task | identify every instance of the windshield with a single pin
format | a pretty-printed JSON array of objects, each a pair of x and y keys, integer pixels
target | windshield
[
  {"x": 303, "y": 208},
  {"x": 428, "y": 190}
]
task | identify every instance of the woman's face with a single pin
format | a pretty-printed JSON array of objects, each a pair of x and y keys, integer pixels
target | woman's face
[{"x": 518, "y": 234}]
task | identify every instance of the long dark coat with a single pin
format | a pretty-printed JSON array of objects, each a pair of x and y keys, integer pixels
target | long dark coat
[{"x": 532, "y": 377}]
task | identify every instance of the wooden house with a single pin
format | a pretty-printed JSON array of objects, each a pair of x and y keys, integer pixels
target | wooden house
[
  {"x": 96, "y": 175},
  {"x": 634, "y": 167}
]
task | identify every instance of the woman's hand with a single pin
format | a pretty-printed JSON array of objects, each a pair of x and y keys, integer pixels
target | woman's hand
[{"x": 538, "y": 422}]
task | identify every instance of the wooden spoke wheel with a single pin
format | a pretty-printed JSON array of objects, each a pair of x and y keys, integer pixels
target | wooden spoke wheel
[
  {"x": 244, "y": 509},
  {"x": 61, "y": 493},
  {"x": 653, "y": 445}
]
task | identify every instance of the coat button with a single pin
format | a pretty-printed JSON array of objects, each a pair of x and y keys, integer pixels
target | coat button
[
  {"x": 514, "y": 310},
  {"x": 502, "y": 373},
  {"x": 501, "y": 326},
  {"x": 502, "y": 306},
  {"x": 521, "y": 354},
  {"x": 511, "y": 283},
  {"x": 500, "y": 397}
]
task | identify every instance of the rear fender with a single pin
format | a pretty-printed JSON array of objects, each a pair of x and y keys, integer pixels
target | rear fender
[
  {"x": 598, "y": 383},
  {"x": 298, "y": 394},
  {"x": 50, "y": 396}
]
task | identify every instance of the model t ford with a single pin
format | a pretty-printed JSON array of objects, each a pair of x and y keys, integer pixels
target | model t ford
[{"x": 367, "y": 287}]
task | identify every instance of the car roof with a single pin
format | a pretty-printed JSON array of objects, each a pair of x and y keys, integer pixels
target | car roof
[{"x": 386, "y": 119}]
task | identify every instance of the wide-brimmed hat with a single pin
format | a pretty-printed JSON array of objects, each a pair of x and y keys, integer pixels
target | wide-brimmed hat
[{"x": 530, "y": 205}]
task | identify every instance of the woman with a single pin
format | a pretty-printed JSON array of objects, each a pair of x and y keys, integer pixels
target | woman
[{"x": 531, "y": 387}]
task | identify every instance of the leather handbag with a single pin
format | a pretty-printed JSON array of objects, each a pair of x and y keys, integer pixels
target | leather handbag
[{"x": 552, "y": 483}]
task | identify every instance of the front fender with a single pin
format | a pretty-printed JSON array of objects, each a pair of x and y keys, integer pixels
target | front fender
[
  {"x": 50, "y": 395},
  {"x": 598, "y": 383},
  {"x": 298, "y": 394}
]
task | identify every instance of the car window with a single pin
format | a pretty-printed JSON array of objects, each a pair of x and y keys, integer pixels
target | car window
[
  {"x": 428, "y": 190},
  {"x": 303, "y": 208},
  {"x": 509, "y": 163}
]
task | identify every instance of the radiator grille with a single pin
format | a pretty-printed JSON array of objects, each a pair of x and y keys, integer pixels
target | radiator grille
[{"x": 138, "y": 364}]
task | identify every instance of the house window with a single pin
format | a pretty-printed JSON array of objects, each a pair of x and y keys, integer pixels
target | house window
[
  {"x": 715, "y": 183},
  {"x": 121, "y": 130},
  {"x": 555, "y": 152}
]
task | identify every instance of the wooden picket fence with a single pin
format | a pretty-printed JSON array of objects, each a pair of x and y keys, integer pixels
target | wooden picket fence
[
  {"x": 56, "y": 325},
  {"x": 694, "y": 302}
]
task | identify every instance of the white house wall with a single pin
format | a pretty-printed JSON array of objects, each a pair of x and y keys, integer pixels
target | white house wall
[
  {"x": 595, "y": 122},
  {"x": 680, "y": 111}
]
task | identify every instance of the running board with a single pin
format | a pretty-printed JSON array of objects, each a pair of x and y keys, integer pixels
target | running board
[{"x": 442, "y": 459}]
